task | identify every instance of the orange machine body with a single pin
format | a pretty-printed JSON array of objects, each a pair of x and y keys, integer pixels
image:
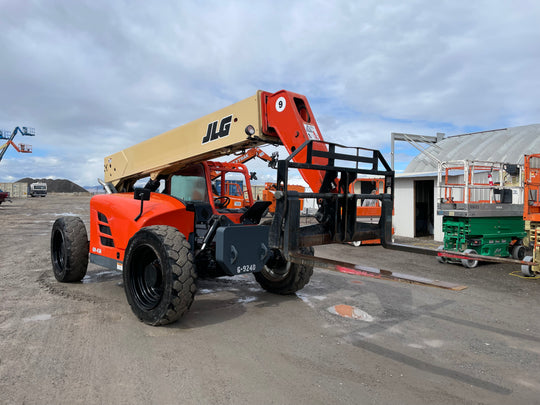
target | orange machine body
[
  {"x": 112, "y": 216},
  {"x": 112, "y": 221},
  {"x": 294, "y": 126}
]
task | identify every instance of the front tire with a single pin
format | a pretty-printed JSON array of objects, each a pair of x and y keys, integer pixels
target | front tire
[
  {"x": 469, "y": 263},
  {"x": 69, "y": 249},
  {"x": 527, "y": 270},
  {"x": 159, "y": 276},
  {"x": 279, "y": 276}
]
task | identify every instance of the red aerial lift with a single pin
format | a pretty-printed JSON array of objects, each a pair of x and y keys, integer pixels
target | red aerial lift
[{"x": 22, "y": 147}]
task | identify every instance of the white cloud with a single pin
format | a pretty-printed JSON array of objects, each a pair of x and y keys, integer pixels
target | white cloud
[{"x": 96, "y": 77}]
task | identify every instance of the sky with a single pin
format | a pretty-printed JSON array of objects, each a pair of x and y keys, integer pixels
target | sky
[{"x": 94, "y": 77}]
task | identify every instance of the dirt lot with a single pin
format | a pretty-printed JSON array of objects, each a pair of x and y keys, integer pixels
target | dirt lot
[{"x": 80, "y": 343}]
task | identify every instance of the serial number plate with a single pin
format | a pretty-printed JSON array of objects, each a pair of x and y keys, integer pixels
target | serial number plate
[{"x": 247, "y": 268}]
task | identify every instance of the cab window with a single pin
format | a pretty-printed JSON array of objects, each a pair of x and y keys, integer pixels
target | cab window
[{"x": 190, "y": 185}]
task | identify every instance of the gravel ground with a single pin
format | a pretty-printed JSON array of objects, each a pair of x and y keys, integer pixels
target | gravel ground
[{"x": 343, "y": 339}]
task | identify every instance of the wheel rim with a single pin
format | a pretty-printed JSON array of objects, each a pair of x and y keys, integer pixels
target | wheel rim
[
  {"x": 59, "y": 252},
  {"x": 470, "y": 263},
  {"x": 146, "y": 281},
  {"x": 277, "y": 269}
]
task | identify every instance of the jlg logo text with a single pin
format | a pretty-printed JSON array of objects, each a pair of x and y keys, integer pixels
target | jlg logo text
[{"x": 212, "y": 132}]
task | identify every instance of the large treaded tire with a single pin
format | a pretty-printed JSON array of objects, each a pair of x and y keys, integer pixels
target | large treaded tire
[
  {"x": 282, "y": 277},
  {"x": 159, "y": 276},
  {"x": 69, "y": 249}
]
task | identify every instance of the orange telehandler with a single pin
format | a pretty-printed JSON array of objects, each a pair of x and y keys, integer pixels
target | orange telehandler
[
  {"x": 233, "y": 189},
  {"x": 163, "y": 241},
  {"x": 256, "y": 152},
  {"x": 270, "y": 188}
]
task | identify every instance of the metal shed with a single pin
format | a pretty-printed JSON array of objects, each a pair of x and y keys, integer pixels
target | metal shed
[
  {"x": 500, "y": 145},
  {"x": 15, "y": 190},
  {"x": 415, "y": 211}
]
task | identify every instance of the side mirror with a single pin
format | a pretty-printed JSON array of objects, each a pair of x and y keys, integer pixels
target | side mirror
[{"x": 142, "y": 194}]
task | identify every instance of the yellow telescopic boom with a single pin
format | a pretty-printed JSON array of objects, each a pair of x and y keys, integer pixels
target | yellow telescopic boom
[{"x": 231, "y": 129}]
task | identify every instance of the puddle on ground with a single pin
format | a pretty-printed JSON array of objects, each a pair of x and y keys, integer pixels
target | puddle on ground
[
  {"x": 308, "y": 299},
  {"x": 245, "y": 300},
  {"x": 348, "y": 311},
  {"x": 203, "y": 291}
]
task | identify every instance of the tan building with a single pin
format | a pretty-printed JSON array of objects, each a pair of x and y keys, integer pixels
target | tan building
[{"x": 15, "y": 190}]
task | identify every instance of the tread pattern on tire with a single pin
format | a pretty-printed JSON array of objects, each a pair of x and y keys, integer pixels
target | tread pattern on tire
[
  {"x": 180, "y": 260},
  {"x": 299, "y": 275},
  {"x": 76, "y": 245}
]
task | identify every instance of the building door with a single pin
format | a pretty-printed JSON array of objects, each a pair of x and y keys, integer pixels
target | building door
[{"x": 423, "y": 204}]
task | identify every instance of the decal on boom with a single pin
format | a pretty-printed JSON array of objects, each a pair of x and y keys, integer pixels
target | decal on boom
[{"x": 212, "y": 133}]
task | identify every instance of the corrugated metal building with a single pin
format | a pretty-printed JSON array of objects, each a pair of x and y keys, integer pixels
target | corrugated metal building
[{"x": 415, "y": 209}]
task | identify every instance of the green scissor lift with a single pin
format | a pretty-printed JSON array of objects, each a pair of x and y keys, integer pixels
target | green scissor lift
[
  {"x": 487, "y": 236},
  {"x": 479, "y": 214}
]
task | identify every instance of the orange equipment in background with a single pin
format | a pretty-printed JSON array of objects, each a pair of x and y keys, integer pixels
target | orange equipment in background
[
  {"x": 531, "y": 212},
  {"x": 269, "y": 195},
  {"x": 22, "y": 147},
  {"x": 368, "y": 210}
]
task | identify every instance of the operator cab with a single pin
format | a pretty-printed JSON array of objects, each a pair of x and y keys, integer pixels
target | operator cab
[
  {"x": 216, "y": 186},
  {"x": 189, "y": 185}
]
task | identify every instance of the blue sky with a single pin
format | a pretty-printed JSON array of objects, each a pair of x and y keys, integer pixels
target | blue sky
[{"x": 94, "y": 77}]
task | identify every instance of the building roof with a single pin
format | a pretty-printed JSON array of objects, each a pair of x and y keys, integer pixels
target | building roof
[
  {"x": 506, "y": 145},
  {"x": 415, "y": 175}
]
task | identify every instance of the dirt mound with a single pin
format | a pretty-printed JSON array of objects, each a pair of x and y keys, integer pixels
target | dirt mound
[{"x": 56, "y": 185}]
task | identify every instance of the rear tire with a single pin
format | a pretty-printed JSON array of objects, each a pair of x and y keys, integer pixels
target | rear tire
[
  {"x": 519, "y": 252},
  {"x": 279, "y": 276},
  {"x": 69, "y": 249},
  {"x": 441, "y": 259},
  {"x": 159, "y": 276}
]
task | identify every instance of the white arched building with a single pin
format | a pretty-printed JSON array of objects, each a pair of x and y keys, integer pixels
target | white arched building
[{"x": 415, "y": 207}]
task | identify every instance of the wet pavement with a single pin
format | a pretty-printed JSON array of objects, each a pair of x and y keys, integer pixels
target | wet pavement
[{"x": 343, "y": 339}]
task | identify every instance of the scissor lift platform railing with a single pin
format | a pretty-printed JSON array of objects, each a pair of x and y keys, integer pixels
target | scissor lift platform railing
[{"x": 482, "y": 207}]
